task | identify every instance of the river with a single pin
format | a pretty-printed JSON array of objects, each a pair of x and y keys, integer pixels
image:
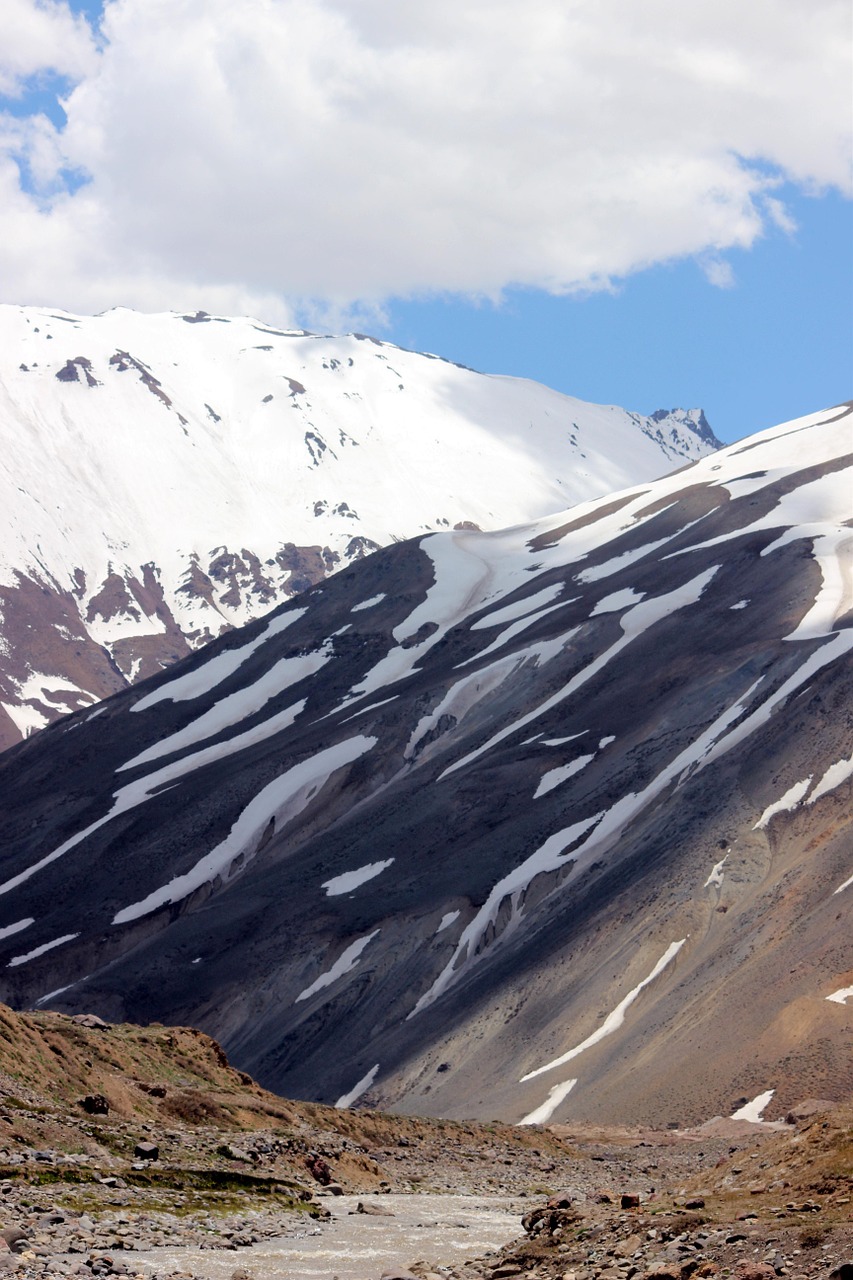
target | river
[{"x": 438, "y": 1229}]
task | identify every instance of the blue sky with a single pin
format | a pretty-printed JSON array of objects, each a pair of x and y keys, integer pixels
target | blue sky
[
  {"x": 646, "y": 206},
  {"x": 775, "y": 345}
]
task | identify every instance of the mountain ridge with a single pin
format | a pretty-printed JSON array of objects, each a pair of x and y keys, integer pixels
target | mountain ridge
[
  {"x": 165, "y": 477},
  {"x": 485, "y": 821}
]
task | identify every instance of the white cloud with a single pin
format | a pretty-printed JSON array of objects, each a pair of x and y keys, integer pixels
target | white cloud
[
  {"x": 719, "y": 273},
  {"x": 275, "y": 152},
  {"x": 39, "y": 36}
]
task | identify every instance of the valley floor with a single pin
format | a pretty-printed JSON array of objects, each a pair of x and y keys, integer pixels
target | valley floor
[
  {"x": 140, "y": 1152},
  {"x": 751, "y": 1204}
]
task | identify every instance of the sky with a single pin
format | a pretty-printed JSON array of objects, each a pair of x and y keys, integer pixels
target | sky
[{"x": 640, "y": 204}]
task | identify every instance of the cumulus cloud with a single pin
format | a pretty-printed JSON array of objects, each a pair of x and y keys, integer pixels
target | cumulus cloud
[
  {"x": 284, "y": 154},
  {"x": 42, "y": 36}
]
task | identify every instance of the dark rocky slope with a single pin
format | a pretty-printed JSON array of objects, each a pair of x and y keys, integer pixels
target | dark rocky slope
[{"x": 486, "y": 814}]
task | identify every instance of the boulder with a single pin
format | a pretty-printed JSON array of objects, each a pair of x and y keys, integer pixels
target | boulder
[
  {"x": 318, "y": 1169},
  {"x": 15, "y": 1240},
  {"x": 146, "y": 1151},
  {"x": 90, "y": 1020},
  {"x": 94, "y": 1104}
]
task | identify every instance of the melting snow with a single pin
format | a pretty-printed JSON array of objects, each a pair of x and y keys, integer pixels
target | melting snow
[
  {"x": 346, "y": 961},
  {"x": 741, "y": 604},
  {"x": 39, "y": 951},
  {"x": 368, "y": 604},
  {"x": 446, "y": 921},
  {"x": 555, "y": 1096},
  {"x": 633, "y": 623},
  {"x": 515, "y": 629},
  {"x": 618, "y": 600},
  {"x": 834, "y": 776},
  {"x": 610, "y": 567},
  {"x": 208, "y": 674},
  {"x": 347, "y": 1099},
  {"x": 842, "y": 887},
  {"x": 841, "y": 996},
  {"x": 520, "y": 609},
  {"x": 614, "y": 1020},
  {"x": 282, "y": 800},
  {"x": 716, "y": 876},
  {"x": 462, "y": 696},
  {"x": 554, "y": 777},
  {"x": 753, "y": 1110},
  {"x": 9, "y": 929},
  {"x": 238, "y": 706},
  {"x": 141, "y": 789},
  {"x": 548, "y": 857},
  {"x": 788, "y": 801},
  {"x": 350, "y": 880}
]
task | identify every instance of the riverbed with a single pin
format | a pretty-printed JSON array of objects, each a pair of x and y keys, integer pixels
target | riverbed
[{"x": 439, "y": 1229}]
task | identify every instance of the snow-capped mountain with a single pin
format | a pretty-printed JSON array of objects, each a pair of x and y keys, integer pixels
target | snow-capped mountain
[
  {"x": 163, "y": 477},
  {"x": 548, "y": 821}
]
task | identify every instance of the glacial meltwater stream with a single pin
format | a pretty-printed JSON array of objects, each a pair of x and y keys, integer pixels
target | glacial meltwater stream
[{"x": 359, "y": 1246}]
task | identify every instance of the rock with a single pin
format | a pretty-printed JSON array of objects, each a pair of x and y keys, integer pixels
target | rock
[
  {"x": 377, "y": 1210},
  {"x": 335, "y": 1189},
  {"x": 629, "y": 1201},
  {"x": 241, "y": 1274},
  {"x": 746, "y": 1270},
  {"x": 94, "y": 1104},
  {"x": 318, "y": 1169},
  {"x": 844, "y": 1272},
  {"x": 696, "y": 1203},
  {"x": 397, "y": 1273},
  {"x": 146, "y": 1151},
  {"x": 90, "y": 1020},
  {"x": 810, "y": 1107},
  {"x": 16, "y": 1241}
]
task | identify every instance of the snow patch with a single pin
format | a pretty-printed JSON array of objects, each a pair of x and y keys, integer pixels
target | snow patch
[
  {"x": 554, "y": 777},
  {"x": 40, "y": 951},
  {"x": 556, "y": 1095},
  {"x": 753, "y": 1111},
  {"x": 280, "y": 801},
  {"x": 347, "y": 1099},
  {"x": 617, "y": 600},
  {"x": 834, "y": 776},
  {"x": 9, "y": 929},
  {"x": 350, "y": 880},
  {"x": 208, "y": 674},
  {"x": 548, "y": 857},
  {"x": 345, "y": 962},
  {"x": 716, "y": 876},
  {"x": 841, "y": 996},
  {"x": 446, "y": 921},
  {"x": 787, "y": 802},
  {"x": 614, "y": 1020},
  {"x": 368, "y": 604},
  {"x": 520, "y": 608}
]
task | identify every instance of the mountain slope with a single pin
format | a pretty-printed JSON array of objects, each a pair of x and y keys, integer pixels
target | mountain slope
[
  {"x": 488, "y": 814},
  {"x": 163, "y": 477}
]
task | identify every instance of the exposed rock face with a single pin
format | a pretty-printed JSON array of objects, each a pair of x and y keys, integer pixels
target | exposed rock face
[
  {"x": 165, "y": 478},
  {"x": 554, "y": 822}
]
